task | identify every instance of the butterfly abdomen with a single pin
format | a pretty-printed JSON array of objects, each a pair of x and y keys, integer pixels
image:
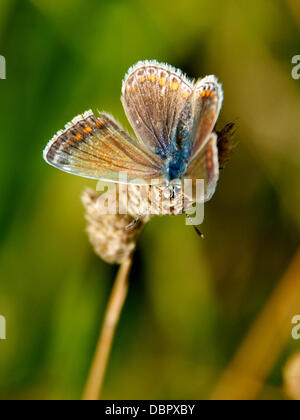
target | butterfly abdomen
[
  {"x": 180, "y": 151},
  {"x": 175, "y": 168}
]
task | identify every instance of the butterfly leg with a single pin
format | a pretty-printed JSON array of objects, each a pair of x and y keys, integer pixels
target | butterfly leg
[{"x": 133, "y": 223}]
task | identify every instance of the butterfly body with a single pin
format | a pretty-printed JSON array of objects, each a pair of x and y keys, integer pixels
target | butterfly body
[
  {"x": 177, "y": 164},
  {"x": 180, "y": 147},
  {"x": 173, "y": 119}
]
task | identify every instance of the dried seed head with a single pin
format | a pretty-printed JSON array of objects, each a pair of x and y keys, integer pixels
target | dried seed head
[{"x": 107, "y": 232}]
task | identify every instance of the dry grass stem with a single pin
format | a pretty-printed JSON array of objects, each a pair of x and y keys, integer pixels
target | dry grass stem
[
  {"x": 112, "y": 315},
  {"x": 254, "y": 360}
]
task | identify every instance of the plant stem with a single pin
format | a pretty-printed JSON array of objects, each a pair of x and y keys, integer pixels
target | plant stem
[
  {"x": 114, "y": 308},
  {"x": 245, "y": 376}
]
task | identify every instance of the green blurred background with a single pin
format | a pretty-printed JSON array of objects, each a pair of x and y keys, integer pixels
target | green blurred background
[{"x": 191, "y": 302}]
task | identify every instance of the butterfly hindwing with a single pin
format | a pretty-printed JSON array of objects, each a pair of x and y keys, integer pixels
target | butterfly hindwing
[
  {"x": 205, "y": 166},
  {"x": 207, "y": 103}
]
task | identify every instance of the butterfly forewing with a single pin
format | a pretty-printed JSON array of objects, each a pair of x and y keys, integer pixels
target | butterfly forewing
[
  {"x": 153, "y": 96},
  {"x": 205, "y": 166},
  {"x": 97, "y": 148}
]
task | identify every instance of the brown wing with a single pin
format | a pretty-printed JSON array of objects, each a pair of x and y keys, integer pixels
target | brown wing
[
  {"x": 97, "y": 148},
  {"x": 206, "y": 166},
  {"x": 153, "y": 96},
  {"x": 207, "y": 103}
]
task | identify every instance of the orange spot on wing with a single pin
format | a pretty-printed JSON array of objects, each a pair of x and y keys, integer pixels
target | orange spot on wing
[
  {"x": 100, "y": 123},
  {"x": 174, "y": 85},
  {"x": 162, "y": 81},
  {"x": 87, "y": 129},
  {"x": 152, "y": 77},
  {"x": 209, "y": 164},
  {"x": 79, "y": 136}
]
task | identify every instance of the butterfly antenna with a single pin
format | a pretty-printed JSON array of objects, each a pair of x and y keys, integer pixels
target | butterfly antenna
[
  {"x": 199, "y": 232},
  {"x": 195, "y": 227}
]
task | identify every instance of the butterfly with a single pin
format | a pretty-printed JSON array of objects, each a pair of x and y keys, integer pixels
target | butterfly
[{"x": 173, "y": 119}]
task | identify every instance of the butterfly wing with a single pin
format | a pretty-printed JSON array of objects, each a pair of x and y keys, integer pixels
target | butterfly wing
[
  {"x": 205, "y": 166},
  {"x": 153, "y": 96},
  {"x": 97, "y": 148},
  {"x": 207, "y": 103}
]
